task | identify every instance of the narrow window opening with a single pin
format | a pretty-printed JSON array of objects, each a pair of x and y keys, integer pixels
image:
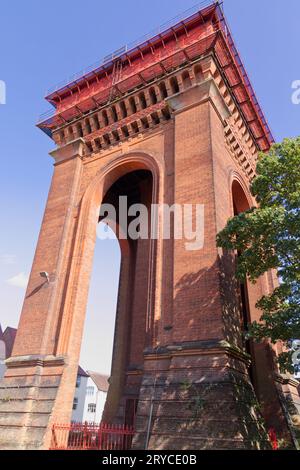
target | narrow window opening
[
  {"x": 132, "y": 105},
  {"x": 163, "y": 89},
  {"x": 88, "y": 126},
  {"x": 186, "y": 80},
  {"x": 62, "y": 137},
  {"x": 198, "y": 73},
  {"x": 116, "y": 135},
  {"x": 106, "y": 139},
  {"x": 153, "y": 97},
  {"x": 96, "y": 122},
  {"x": 145, "y": 123},
  {"x": 123, "y": 109},
  {"x": 142, "y": 100},
  {"x": 98, "y": 143},
  {"x": 79, "y": 130},
  {"x": 166, "y": 114},
  {"x": 89, "y": 147},
  {"x": 125, "y": 131},
  {"x": 135, "y": 127},
  {"x": 105, "y": 117},
  {"x": 174, "y": 85},
  {"x": 155, "y": 118},
  {"x": 114, "y": 113}
]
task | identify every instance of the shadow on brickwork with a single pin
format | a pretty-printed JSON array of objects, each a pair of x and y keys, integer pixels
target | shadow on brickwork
[{"x": 206, "y": 401}]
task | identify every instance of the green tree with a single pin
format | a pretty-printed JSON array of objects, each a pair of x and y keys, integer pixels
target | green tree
[{"x": 268, "y": 237}]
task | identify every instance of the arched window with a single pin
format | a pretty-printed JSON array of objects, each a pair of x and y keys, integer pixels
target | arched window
[
  {"x": 105, "y": 117},
  {"x": 163, "y": 89},
  {"x": 135, "y": 127},
  {"x": 71, "y": 133},
  {"x": 153, "y": 97},
  {"x": 123, "y": 109},
  {"x": 116, "y": 136},
  {"x": 142, "y": 100},
  {"x": 62, "y": 137},
  {"x": 198, "y": 73},
  {"x": 96, "y": 122},
  {"x": 88, "y": 126},
  {"x": 132, "y": 105},
  {"x": 125, "y": 131},
  {"x": 145, "y": 123},
  {"x": 79, "y": 129},
  {"x": 186, "y": 79},
  {"x": 155, "y": 118},
  {"x": 114, "y": 113},
  {"x": 174, "y": 85},
  {"x": 106, "y": 139}
]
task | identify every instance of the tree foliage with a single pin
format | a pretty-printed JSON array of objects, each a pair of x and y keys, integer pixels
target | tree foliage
[{"x": 268, "y": 237}]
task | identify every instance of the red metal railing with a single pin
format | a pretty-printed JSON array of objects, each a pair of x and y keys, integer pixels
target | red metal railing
[
  {"x": 84, "y": 436},
  {"x": 273, "y": 438}
]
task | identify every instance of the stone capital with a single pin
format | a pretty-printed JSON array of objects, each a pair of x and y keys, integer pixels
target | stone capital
[
  {"x": 207, "y": 347},
  {"x": 197, "y": 94},
  {"x": 34, "y": 361},
  {"x": 72, "y": 149}
]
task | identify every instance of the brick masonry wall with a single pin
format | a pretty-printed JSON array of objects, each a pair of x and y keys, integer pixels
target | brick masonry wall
[{"x": 174, "y": 346}]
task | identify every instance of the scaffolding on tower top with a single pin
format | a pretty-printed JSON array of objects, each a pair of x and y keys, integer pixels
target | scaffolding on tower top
[{"x": 198, "y": 31}]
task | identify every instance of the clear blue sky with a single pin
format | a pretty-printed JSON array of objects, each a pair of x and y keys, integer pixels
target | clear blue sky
[{"x": 43, "y": 43}]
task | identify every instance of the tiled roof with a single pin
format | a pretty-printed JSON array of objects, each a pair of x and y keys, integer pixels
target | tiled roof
[
  {"x": 82, "y": 372},
  {"x": 9, "y": 336},
  {"x": 100, "y": 380}
]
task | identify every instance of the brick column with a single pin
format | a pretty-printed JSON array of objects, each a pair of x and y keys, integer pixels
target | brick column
[
  {"x": 31, "y": 382},
  {"x": 190, "y": 381}
]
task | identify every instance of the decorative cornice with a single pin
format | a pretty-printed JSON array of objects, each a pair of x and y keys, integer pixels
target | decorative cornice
[{"x": 193, "y": 40}]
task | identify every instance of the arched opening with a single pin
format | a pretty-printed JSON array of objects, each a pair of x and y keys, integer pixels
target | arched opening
[
  {"x": 97, "y": 343},
  {"x": 71, "y": 133},
  {"x": 133, "y": 105},
  {"x": 96, "y": 122},
  {"x": 123, "y": 109},
  {"x": 198, "y": 73},
  {"x": 186, "y": 80},
  {"x": 79, "y": 130},
  {"x": 105, "y": 117},
  {"x": 153, "y": 97},
  {"x": 174, "y": 85},
  {"x": 240, "y": 201},
  {"x": 114, "y": 113},
  {"x": 130, "y": 296},
  {"x": 241, "y": 204},
  {"x": 142, "y": 99},
  {"x": 88, "y": 126},
  {"x": 125, "y": 131},
  {"x": 163, "y": 89}
]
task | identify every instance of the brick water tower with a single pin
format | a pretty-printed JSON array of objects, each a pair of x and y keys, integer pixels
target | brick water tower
[{"x": 171, "y": 119}]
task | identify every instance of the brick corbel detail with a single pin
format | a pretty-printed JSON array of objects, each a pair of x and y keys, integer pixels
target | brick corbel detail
[
  {"x": 72, "y": 149},
  {"x": 197, "y": 94}
]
